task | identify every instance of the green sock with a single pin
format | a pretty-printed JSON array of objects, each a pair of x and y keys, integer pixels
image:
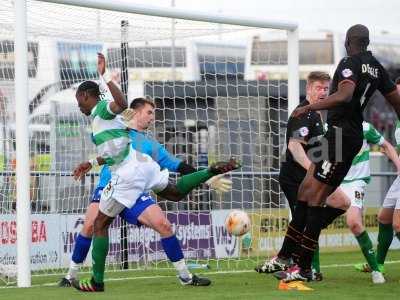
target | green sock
[
  {"x": 191, "y": 181},
  {"x": 368, "y": 250},
  {"x": 385, "y": 237},
  {"x": 99, "y": 254},
  {"x": 315, "y": 261}
]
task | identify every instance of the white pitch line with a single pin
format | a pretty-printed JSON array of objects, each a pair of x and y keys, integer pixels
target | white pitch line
[
  {"x": 350, "y": 265},
  {"x": 173, "y": 276}
]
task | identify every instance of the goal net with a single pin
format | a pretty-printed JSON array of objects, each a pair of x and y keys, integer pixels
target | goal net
[{"x": 219, "y": 92}]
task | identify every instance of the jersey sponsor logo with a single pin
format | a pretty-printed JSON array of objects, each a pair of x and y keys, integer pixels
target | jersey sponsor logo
[
  {"x": 347, "y": 73},
  {"x": 365, "y": 68},
  {"x": 303, "y": 131},
  {"x": 108, "y": 190}
]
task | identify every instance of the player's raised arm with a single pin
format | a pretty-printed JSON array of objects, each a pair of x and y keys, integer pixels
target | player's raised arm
[{"x": 119, "y": 104}]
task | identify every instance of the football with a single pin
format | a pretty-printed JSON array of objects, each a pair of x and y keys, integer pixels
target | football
[{"x": 237, "y": 222}]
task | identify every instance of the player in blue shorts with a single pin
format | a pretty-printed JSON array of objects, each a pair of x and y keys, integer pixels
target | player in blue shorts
[
  {"x": 133, "y": 175},
  {"x": 138, "y": 118}
]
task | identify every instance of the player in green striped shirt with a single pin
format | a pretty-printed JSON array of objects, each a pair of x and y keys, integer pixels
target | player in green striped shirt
[
  {"x": 389, "y": 214},
  {"x": 133, "y": 176},
  {"x": 352, "y": 190}
]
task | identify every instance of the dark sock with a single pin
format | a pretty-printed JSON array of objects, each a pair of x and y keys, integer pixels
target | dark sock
[
  {"x": 397, "y": 234},
  {"x": 294, "y": 232},
  {"x": 368, "y": 250},
  {"x": 310, "y": 237},
  {"x": 329, "y": 214},
  {"x": 385, "y": 238}
]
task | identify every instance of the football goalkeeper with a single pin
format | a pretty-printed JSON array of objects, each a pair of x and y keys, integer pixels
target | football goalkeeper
[
  {"x": 134, "y": 174},
  {"x": 138, "y": 118}
]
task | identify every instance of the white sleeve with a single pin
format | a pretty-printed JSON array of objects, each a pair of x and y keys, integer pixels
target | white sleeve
[
  {"x": 105, "y": 93},
  {"x": 397, "y": 136}
]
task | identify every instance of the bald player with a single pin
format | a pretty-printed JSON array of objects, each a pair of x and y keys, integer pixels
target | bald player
[{"x": 356, "y": 78}]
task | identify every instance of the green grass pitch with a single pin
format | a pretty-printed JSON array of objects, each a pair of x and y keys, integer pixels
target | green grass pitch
[{"x": 341, "y": 281}]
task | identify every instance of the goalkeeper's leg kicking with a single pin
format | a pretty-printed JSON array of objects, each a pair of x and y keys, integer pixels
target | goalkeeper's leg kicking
[
  {"x": 84, "y": 239},
  {"x": 128, "y": 181}
]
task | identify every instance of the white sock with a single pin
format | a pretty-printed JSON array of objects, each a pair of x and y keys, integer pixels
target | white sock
[
  {"x": 73, "y": 270},
  {"x": 182, "y": 269}
]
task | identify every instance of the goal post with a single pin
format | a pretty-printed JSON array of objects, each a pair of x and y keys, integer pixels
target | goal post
[
  {"x": 208, "y": 106},
  {"x": 22, "y": 140}
]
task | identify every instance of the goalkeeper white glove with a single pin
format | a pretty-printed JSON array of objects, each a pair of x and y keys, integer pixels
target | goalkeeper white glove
[
  {"x": 220, "y": 183},
  {"x": 127, "y": 116}
]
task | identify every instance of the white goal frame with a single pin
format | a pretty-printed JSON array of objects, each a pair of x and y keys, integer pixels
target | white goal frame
[{"x": 21, "y": 94}]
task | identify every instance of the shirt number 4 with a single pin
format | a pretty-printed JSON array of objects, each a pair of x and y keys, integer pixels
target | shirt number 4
[{"x": 326, "y": 167}]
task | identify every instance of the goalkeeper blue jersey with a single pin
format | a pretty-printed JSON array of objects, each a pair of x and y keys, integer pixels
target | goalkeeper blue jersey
[{"x": 144, "y": 144}]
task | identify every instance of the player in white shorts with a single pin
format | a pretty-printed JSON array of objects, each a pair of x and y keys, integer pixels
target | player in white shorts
[
  {"x": 392, "y": 199},
  {"x": 134, "y": 175},
  {"x": 389, "y": 214},
  {"x": 352, "y": 190}
]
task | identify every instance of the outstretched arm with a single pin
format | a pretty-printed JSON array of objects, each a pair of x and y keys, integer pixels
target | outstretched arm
[
  {"x": 170, "y": 162},
  {"x": 119, "y": 104},
  {"x": 187, "y": 183},
  {"x": 344, "y": 94},
  {"x": 86, "y": 166}
]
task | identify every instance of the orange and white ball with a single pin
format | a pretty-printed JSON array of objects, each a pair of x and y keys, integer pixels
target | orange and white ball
[{"x": 237, "y": 222}]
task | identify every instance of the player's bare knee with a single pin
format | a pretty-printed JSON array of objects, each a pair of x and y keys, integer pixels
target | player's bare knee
[
  {"x": 164, "y": 227},
  {"x": 355, "y": 227},
  {"x": 100, "y": 224},
  {"x": 97, "y": 226},
  {"x": 304, "y": 188},
  {"x": 396, "y": 225},
  {"x": 312, "y": 192},
  {"x": 384, "y": 217},
  {"x": 88, "y": 228}
]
